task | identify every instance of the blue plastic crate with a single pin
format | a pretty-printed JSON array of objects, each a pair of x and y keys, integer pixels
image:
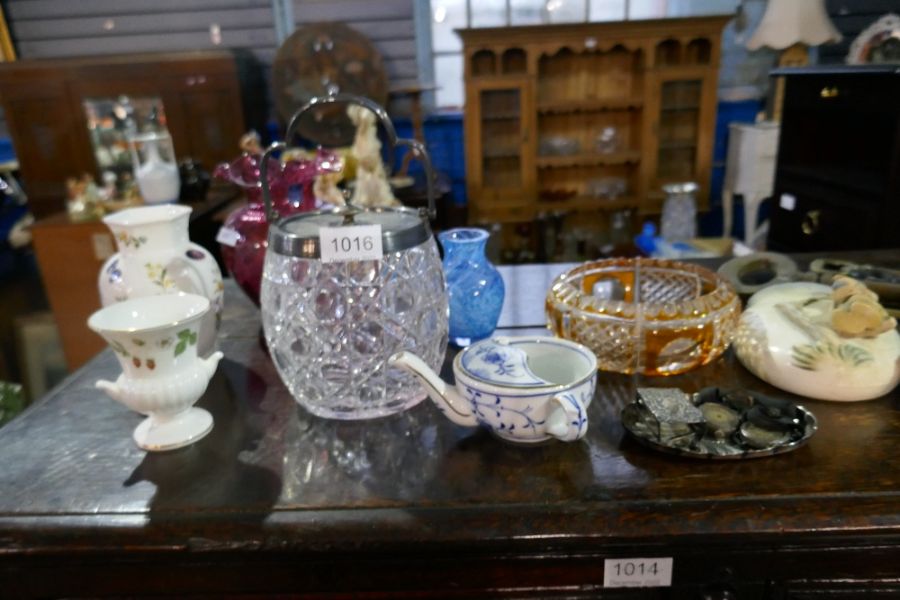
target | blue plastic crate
[{"x": 7, "y": 153}]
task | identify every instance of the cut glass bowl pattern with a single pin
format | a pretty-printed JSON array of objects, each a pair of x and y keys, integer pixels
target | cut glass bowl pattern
[
  {"x": 644, "y": 315},
  {"x": 331, "y": 328}
]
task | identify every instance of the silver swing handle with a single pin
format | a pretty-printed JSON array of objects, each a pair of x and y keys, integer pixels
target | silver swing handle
[{"x": 415, "y": 146}]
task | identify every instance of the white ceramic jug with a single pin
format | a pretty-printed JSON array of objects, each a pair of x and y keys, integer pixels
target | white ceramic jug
[{"x": 156, "y": 257}]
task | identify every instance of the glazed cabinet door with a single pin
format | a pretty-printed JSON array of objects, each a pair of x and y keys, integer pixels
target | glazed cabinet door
[
  {"x": 679, "y": 134},
  {"x": 49, "y": 140},
  {"x": 501, "y": 153}
]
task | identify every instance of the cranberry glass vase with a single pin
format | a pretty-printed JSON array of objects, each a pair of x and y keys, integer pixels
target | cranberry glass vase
[{"x": 244, "y": 236}]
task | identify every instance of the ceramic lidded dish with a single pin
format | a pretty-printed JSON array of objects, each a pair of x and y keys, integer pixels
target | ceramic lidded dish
[
  {"x": 796, "y": 337},
  {"x": 644, "y": 315}
]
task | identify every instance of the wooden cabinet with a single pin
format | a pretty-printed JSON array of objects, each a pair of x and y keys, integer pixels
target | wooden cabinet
[
  {"x": 70, "y": 256},
  {"x": 836, "y": 181},
  {"x": 554, "y": 113},
  {"x": 504, "y": 172},
  {"x": 43, "y": 102},
  {"x": 681, "y": 118}
]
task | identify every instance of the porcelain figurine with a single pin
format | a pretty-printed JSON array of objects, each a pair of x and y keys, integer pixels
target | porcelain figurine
[
  {"x": 829, "y": 343},
  {"x": 155, "y": 340},
  {"x": 156, "y": 257},
  {"x": 372, "y": 187},
  {"x": 523, "y": 389}
]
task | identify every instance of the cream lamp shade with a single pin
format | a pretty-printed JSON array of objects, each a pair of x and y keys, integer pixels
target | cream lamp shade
[{"x": 789, "y": 22}]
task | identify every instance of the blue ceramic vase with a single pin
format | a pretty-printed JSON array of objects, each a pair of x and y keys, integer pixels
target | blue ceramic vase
[{"x": 474, "y": 286}]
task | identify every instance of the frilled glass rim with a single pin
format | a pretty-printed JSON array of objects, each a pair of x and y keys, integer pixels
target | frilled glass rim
[{"x": 566, "y": 295}]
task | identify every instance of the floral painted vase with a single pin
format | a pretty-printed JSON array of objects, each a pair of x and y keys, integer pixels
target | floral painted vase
[
  {"x": 244, "y": 235},
  {"x": 474, "y": 285},
  {"x": 156, "y": 257}
]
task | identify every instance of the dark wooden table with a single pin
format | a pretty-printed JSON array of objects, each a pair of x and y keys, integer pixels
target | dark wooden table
[{"x": 275, "y": 501}]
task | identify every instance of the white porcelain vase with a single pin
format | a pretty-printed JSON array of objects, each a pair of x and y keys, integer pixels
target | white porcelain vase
[
  {"x": 155, "y": 340},
  {"x": 156, "y": 257},
  {"x": 154, "y": 167}
]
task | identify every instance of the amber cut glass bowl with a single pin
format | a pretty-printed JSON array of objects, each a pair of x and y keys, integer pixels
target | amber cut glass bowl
[{"x": 644, "y": 315}]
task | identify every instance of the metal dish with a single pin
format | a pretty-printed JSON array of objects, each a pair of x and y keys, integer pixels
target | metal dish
[{"x": 740, "y": 425}]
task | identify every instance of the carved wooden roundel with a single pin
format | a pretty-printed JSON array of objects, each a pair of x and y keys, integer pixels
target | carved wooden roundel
[{"x": 323, "y": 58}]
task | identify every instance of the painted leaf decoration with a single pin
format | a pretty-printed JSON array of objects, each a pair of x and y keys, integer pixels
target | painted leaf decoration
[{"x": 180, "y": 347}]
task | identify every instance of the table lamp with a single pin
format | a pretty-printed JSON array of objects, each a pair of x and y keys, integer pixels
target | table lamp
[{"x": 792, "y": 26}]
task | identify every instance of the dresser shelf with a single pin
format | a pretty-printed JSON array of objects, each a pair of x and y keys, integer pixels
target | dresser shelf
[
  {"x": 577, "y": 160},
  {"x": 645, "y": 88}
]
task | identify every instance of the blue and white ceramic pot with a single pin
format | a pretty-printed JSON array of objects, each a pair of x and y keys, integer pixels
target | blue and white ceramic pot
[
  {"x": 474, "y": 285},
  {"x": 523, "y": 389}
]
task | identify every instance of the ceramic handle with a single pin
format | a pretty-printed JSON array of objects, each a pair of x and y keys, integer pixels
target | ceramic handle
[
  {"x": 567, "y": 420},
  {"x": 271, "y": 214},
  {"x": 181, "y": 270}
]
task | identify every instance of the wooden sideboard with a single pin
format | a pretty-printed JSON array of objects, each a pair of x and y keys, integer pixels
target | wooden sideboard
[
  {"x": 531, "y": 91},
  {"x": 277, "y": 502},
  {"x": 837, "y": 178},
  {"x": 43, "y": 102},
  {"x": 69, "y": 256}
]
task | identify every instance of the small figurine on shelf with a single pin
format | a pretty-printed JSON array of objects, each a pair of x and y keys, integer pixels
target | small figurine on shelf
[
  {"x": 84, "y": 201},
  {"x": 109, "y": 185},
  {"x": 251, "y": 143},
  {"x": 372, "y": 188}
]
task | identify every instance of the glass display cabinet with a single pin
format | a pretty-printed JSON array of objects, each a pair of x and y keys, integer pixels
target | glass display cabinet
[{"x": 59, "y": 113}]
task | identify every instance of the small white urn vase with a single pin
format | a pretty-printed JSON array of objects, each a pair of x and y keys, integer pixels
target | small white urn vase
[
  {"x": 156, "y": 257},
  {"x": 154, "y": 167},
  {"x": 155, "y": 340}
]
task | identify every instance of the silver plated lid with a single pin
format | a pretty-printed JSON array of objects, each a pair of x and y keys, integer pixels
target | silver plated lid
[{"x": 298, "y": 235}]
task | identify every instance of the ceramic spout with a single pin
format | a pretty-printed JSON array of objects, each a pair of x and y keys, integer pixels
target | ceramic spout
[
  {"x": 210, "y": 364},
  {"x": 450, "y": 401},
  {"x": 112, "y": 389}
]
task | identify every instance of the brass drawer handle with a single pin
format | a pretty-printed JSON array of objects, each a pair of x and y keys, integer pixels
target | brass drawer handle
[
  {"x": 829, "y": 92},
  {"x": 810, "y": 223}
]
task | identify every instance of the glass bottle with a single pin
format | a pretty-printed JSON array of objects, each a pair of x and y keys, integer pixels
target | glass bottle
[{"x": 679, "y": 215}]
